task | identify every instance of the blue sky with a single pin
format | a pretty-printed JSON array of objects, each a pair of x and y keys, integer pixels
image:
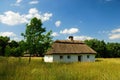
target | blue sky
[{"x": 83, "y": 19}]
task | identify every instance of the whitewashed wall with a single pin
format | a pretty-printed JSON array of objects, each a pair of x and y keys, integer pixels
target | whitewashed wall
[
  {"x": 90, "y": 59},
  {"x": 73, "y": 58},
  {"x": 48, "y": 58}
]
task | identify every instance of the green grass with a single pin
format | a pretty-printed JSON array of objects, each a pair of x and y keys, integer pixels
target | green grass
[{"x": 15, "y": 69}]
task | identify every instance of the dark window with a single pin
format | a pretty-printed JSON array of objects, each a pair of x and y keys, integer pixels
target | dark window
[
  {"x": 61, "y": 57},
  {"x": 88, "y": 56},
  {"x": 68, "y": 57},
  {"x": 79, "y": 58}
]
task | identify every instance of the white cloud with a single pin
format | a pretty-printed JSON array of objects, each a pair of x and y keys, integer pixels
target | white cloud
[
  {"x": 12, "y": 18},
  {"x": 82, "y": 38},
  {"x": 57, "y": 23},
  {"x": 8, "y": 34},
  {"x": 116, "y": 30},
  {"x": 54, "y": 34},
  {"x": 34, "y": 2},
  {"x": 11, "y": 35},
  {"x": 115, "y": 34},
  {"x": 17, "y": 38},
  {"x": 46, "y": 16},
  {"x": 33, "y": 11},
  {"x": 18, "y": 1},
  {"x": 15, "y": 18},
  {"x": 69, "y": 31}
]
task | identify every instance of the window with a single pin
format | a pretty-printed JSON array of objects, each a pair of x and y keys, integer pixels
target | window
[
  {"x": 68, "y": 57},
  {"x": 79, "y": 58},
  {"x": 61, "y": 57},
  {"x": 88, "y": 56}
]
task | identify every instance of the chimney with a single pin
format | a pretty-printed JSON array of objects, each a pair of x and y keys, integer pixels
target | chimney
[{"x": 71, "y": 38}]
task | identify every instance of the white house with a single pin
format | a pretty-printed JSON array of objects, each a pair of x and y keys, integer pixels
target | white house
[{"x": 70, "y": 51}]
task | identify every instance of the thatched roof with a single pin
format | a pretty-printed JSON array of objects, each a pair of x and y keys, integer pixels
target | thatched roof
[{"x": 70, "y": 47}]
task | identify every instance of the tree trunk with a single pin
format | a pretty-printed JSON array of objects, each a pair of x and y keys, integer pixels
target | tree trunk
[
  {"x": 30, "y": 58},
  {"x": 19, "y": 58}
]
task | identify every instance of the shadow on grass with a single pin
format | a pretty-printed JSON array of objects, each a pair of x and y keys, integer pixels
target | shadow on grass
[{"x": 98, "y": 60}]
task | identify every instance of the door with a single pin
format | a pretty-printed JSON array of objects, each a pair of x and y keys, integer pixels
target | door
[{"x": 79, "y": 58}]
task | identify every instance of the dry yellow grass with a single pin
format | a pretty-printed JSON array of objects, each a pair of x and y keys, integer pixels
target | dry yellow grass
[{"x": 103, "y": 69}]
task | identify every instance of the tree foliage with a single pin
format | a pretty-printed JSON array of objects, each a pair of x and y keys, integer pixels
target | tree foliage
[
  {"x": 10, "y": 48},
  {"x": 104, "y": 49},
  {"x": 3, "y": 43},
  {"x": 38, "y": 41}
]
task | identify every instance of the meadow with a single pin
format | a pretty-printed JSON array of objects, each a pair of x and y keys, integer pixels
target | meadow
[{"x": 20, "y": 69}]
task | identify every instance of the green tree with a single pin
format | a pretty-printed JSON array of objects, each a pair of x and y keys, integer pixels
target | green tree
[
  {"x": 98, "y": 46},
  {"x": 15, "y": 51},
  {"x": 7, "y": 51},
  {"x": 0, "y": 50},
  {"x": 113, "y": 49},
  {"x": 23, "y": 47},
  {"x": 13, "y": 44},
  {"x": 3, "y": 43},
  {"x": 37, "y": 41}
]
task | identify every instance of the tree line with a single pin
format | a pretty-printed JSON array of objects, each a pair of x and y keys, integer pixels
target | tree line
[
  {"x": 104, "y": 50},
  {"x": 14, "y": 48},
  {"x": 36, "y": 41},
  {"x": 11, "y": 48}
]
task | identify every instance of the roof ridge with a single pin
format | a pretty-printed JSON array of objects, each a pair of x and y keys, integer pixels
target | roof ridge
[{"x": 69, "y": 41}]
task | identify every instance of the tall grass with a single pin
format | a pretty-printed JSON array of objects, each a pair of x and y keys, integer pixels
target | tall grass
[{"x": 103, "y": 69}]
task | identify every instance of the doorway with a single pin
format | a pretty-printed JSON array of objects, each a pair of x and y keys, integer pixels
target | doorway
[{"x": 79, "y": 58}]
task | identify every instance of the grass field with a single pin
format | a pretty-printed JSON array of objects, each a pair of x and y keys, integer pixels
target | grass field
[{"x": 15, "y": 69}]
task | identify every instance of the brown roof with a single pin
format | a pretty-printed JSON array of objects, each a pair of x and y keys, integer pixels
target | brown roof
[{"x": 70, "y": 47}]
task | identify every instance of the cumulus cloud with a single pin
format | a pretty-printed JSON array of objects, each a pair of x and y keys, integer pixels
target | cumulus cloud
[
  {"x": 15, "y": 18},
  {"x": 17, "y": 38},
  {"x": 57, "y": 23},
  {"x": 11, "y": 35},
  {"x": 82, "y": 38},
  {"x": 115, "y": 34},
  {"x": 33, "y": 11},
  {"x": 69, "y": 31},
  {"x": 34, "y": 2},
  {"x": 46, "y": 16},
  {"x": 54, "y": 34},
  {"x": 8, "y": 34},
  {"x": 116, "y": 30},
  {"x": 12, "y": 18}
]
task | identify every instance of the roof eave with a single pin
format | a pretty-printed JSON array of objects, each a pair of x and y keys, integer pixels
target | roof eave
[{"x": 69, "y": 53}]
